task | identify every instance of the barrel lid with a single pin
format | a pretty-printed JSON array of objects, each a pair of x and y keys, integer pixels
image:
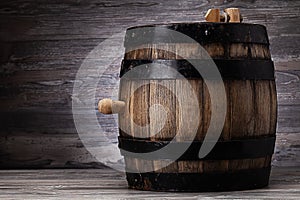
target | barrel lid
[{"x": 201, "y": 32}]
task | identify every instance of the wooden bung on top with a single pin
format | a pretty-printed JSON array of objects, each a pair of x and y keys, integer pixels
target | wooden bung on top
[{"x": 231, "y": 15}]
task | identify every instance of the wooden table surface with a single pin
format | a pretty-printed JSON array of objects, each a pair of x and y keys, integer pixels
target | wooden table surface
[{"x": 109, "y": 184}]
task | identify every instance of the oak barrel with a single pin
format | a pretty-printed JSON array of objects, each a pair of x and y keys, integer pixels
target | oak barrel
[{"x": 241, "y": 159}]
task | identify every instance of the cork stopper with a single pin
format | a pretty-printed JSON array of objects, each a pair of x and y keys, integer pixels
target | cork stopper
[{"x": 229, "y": 15}]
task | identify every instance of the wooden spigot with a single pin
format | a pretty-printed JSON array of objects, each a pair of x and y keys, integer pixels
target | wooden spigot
[
  {"x": 231, "y": 15},
  {"x": 108, "y": 106}
]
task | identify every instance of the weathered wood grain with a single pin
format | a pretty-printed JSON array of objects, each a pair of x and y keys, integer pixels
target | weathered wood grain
[
  {"x": 44, "y": 43},
  {"x": 288, "y": 84},
  {"x": 287, "y": 146},
  {"x": 108, "y": 184}
]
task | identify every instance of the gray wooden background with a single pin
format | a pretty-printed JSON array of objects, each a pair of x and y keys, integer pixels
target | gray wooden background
[{"x": 43, "y": 43}]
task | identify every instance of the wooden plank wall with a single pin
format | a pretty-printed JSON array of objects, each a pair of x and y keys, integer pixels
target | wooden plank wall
[{"x": 43, "y": 43}]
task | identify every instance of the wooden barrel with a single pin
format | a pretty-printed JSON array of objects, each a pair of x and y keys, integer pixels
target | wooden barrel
[{"x": 241, "y": 159}]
